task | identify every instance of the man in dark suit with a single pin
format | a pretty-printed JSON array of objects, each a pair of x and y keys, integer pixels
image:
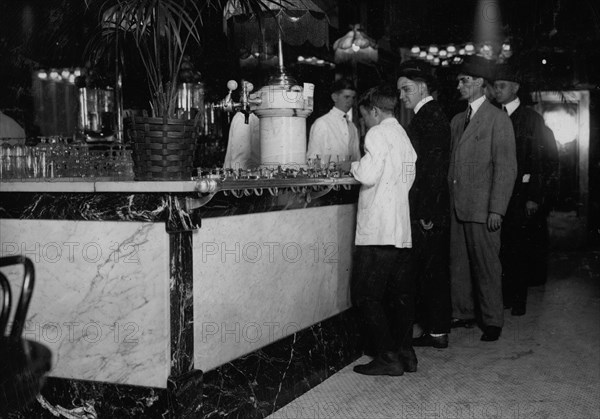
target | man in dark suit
[
  {"x": 525, "y": 228},
  {"x": 429, "y": 133},
  {"x": 481, "y": 177}
]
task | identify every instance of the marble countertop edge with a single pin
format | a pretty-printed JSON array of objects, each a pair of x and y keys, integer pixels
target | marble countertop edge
[{"x": 99, "y": 185}]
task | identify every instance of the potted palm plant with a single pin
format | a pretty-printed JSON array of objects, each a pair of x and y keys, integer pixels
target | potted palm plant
[{"x": 161, "y": 31}]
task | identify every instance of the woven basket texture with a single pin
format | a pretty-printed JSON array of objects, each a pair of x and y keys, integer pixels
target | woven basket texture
[{"x": 163, "y": 149}]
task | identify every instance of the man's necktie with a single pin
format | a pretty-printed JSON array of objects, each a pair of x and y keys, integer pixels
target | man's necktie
[
  {"x": 468, "y": 118},
  {"x": 504, "y": 109},
  {"x": 350, "y": 139},
  {"x": 348, "y": 123}
]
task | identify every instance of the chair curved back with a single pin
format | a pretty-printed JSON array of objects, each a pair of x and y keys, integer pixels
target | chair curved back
[
  {"x": 6, "y": 303},
  {"x": 26, "y": 292},
  {"x": 23, "y": 363}
]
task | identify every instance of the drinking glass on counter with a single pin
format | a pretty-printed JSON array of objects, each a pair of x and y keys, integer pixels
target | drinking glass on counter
[
  {"x": 343, "y": 163},
  {"x": 54, "y": 158}
]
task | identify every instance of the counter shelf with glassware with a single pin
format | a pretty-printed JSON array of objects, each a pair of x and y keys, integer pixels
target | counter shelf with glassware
[
  {"x": 56, "y": 158},
  {"x": 143, "y": 295}
]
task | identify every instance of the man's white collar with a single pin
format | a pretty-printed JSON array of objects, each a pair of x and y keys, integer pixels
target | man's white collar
[{"x": 422, "y": 102}]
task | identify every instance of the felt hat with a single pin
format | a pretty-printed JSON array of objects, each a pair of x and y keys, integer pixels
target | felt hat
[
  {"x": 477, "y": 66},
  {"x": 417, "y": 69},
  {"x": 507, "y": 72}
]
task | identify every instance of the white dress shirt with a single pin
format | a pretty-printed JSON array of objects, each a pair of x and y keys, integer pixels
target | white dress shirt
[
  {"x": 512, "y": 106},
  {"x": 333, "y": 134},
  {"x": 243, "y": 146},
  {"x": 476, "y": 104},
  {"x": 386, "y": 172}
]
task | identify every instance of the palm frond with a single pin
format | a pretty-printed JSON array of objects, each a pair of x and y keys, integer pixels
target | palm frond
[{"x": 160, "y": 30}]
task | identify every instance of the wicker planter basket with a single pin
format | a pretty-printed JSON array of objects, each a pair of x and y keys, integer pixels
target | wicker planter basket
[{"x": 163, "y": 149}]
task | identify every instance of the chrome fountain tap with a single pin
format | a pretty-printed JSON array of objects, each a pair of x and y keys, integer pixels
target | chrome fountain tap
[{"x": 228, "y": 105}]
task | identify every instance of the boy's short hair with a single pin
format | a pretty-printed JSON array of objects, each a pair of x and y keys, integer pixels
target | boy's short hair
[
  {"x": 342, "y": 84},
  {"x": 384, "y": 96}
]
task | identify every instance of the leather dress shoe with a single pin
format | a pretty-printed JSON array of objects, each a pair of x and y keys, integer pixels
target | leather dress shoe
[
  {"x": 409, "y": 361},
  {"x": 439, "y": 342},
  {"x": 518, "y": 310},
  {"x": 386, "y": 363},
  {"x": 491, "y": 333},
  {"x": 466, "y": 323}
]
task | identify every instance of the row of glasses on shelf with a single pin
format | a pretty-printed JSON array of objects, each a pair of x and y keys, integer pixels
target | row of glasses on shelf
[
  {"x": 322, "y": 166},
  {"x": 55, "y": 157}
]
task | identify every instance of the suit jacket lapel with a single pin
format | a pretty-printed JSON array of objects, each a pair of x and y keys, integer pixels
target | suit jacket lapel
[
  {"x": 475, "y": 120},
  {"x": 473, "y": 124}
]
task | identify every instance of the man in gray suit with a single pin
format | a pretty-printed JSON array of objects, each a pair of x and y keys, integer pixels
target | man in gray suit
[{"x": 481, "y": 177}]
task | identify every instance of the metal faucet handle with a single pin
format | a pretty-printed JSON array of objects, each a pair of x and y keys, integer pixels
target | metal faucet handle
[
  {"x": 232, "y": 85},
  {"x": 248, "y": 86}
]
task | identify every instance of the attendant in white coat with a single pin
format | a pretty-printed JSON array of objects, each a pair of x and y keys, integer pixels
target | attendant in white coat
[
  {"x": 383, "y": 236},
  {"x": 333, "y": 134},
  {"x": 243, "y": 146}
]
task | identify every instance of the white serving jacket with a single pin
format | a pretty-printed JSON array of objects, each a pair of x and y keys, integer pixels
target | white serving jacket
[
  {"x": 333, "y": 135},
  {"x": 243, "y": 146},
  {"x": 386, "y": 172}
]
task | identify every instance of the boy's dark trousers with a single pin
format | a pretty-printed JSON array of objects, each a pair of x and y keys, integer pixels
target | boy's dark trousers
[{"x": 384, "y": 298}]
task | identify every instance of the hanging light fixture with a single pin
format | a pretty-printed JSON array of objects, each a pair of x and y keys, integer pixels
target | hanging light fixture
[
  {"x": 290, "y": 21},
  {"x": 356, "y": 46}
]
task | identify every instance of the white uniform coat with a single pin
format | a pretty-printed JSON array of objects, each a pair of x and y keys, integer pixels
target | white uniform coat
[
  {"x": 243, "y": 146},
  {"x": 386, "y": 171},
  {"x": 332, "y": 134}
]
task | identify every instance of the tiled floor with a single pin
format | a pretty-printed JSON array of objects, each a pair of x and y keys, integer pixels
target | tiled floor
[{"x": 545, "y": 365}]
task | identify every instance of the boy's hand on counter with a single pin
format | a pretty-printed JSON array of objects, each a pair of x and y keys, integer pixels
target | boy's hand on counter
[{"x": 344, "y": 166}]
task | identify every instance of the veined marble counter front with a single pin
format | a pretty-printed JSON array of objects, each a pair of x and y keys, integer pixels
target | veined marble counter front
[
  {"x": 101, "y": 296},
  {"x": 261, "y": 277},
  {"x": 246, "y": 283}
]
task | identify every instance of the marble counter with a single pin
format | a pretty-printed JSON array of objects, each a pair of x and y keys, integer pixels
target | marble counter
[
  {"x": 232, "y": 309},
  {"x": 96, "y": 185},
  {"x": 101, "y": 298},
  {"x": 102, "y": 185},
  {"x": 261, "y": 277}
]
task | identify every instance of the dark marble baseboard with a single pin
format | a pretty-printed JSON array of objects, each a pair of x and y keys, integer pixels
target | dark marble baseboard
[{"x": 253, "y": 386}]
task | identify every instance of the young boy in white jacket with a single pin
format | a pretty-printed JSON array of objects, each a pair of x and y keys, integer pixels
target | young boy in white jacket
[{"x": 383, "y": 237}]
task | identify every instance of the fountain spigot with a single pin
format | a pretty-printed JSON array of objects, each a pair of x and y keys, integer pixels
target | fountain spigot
[{"x": 245, "y": 103}]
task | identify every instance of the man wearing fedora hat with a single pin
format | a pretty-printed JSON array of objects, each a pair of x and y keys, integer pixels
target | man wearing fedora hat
[
  {"x": 429, "y": 133},
  {"x": 481, "y": 177},
  {"x": 525, "y": 229}
]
